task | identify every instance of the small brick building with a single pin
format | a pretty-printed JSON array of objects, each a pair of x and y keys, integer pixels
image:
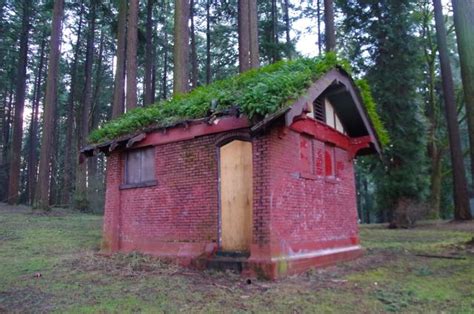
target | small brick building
[{"x": 277, "y": 194}]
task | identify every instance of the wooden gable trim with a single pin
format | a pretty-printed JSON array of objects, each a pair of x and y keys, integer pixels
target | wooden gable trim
[
  {"x": 362, "y": 111},
  {"x": 317, "y": 88},
  {"x": 312, "y": 93},
  {"x": 188, "y": 130},
  {"x": 327, "y": 134},
  {"x": 322, "y": 132},
  {"x": 193, "y": 130}
]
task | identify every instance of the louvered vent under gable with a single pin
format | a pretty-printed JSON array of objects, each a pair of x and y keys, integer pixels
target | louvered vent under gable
[{"x": 319, "y": 110}]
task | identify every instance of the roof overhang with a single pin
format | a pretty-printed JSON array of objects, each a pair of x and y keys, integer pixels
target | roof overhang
[
  {"x": 341, "y": 90},
  {"x": 336, "y": 84},
  {"x": 179, "y": 132}
]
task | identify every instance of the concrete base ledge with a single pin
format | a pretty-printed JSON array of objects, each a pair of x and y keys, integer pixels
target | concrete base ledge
[{"x": 281, "y": 266}]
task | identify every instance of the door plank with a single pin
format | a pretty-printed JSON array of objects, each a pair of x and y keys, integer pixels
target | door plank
[{"x": 236, "y": 195}]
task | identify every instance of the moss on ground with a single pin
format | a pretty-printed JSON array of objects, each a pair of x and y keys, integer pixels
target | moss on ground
[
  {"x": 62, "y": 247},
  {"x": 256, "y": 93}
]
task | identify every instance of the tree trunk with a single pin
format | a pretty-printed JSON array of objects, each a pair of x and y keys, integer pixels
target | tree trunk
[
  {"x": 153, "y": 80},
  {"x": 274, "y": 14},
  {"x": 98, "y": 79},
  {"x": 461, "y": 199},
  {"x": 132, "y": 42},
  {"x": 194, "y": 64},
  {"x": 181, "y": 47},
  {"x": 463, "y": 12},
  {"x": 432, "y": 112},
  {"x": 367, "y": 202},
  {"x": 253, "y": 30},
  {"x": 330, "y": 32},
  {"x": 149, "y": 64},
  {"x": 15, "y": 156},
  {"x": 94, "y": 184},
  {"x": 69, "y": 151},
  {"x": 359, "y": 196},
  {"x": 81, "y": 199},
  {"x": 320, "y": 47},
  {"x": 287, "y": 29},
  {"x": 248, "y": 35},
  {"x": 3, "y": 112},
  {"x": 208, "y": 42},
  {"x": 164, "y": 79},
  {"x": 244, "y": 35},
  {"x": 42, "y": 195},
  {"x": 32, "y": 158},
  {"x": 118, "y": 105},
  {"x": 436, "y": 182},
  {"x": 6, "y": 125},
  {"x": 53, "y": 183}
]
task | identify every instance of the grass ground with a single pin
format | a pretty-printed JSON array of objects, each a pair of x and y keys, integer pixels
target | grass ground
[{"x": 50, "y": 263}]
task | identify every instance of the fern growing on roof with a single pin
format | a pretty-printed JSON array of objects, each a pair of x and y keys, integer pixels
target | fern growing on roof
[{"x": 256, "y": 93}]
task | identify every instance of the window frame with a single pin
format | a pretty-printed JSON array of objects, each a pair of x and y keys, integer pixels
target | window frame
[{"x": 126, "y": 184}]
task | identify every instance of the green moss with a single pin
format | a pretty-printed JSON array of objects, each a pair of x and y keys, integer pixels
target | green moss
[
  {"x": 256, "y": 93},
  {"x": 371, "y": 108}
]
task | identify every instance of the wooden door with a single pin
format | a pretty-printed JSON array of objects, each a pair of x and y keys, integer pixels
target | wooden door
[{"x": 236, "y": 194}]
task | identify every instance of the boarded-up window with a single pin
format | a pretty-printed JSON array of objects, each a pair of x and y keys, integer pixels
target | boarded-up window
[
  {"x": 330, "y": 161},
  {"x": 140, "y": 166}
]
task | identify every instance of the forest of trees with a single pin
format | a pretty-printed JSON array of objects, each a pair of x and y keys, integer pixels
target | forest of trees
[{"x": 69, "y": 65}]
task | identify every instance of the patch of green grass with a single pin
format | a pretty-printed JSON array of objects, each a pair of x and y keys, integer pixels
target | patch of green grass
[
  {"x": 36, "y": 243},
  {"x": 74, "y": 279},
  {"x": 409, "y": 283},
  {"x": 421, "y": 240}
]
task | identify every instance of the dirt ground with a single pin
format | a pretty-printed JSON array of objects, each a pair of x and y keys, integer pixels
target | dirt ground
[{"x": 52, "y": 263}]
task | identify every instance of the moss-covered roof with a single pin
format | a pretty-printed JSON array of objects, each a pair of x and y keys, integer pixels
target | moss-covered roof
[{"x": 256, "y": 93}]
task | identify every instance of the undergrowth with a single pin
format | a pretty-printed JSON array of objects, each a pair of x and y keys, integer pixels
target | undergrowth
[{"x": 256, "y": 93}]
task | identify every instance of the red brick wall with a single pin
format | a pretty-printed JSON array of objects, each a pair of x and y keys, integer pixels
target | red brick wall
[
  {"x": 182, "y": 207},
  {"x": 296, "y": 208},
  {"x": 309, "y": 210}
]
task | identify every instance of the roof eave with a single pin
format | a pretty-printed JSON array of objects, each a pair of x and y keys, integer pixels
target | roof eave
[{"x": 335, "y": 76}]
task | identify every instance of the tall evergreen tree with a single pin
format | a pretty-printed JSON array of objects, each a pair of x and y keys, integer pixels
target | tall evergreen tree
[
  {"x": 34, "y": 124},
  {"x": 248, "y": 35},
  {"x": 393, "y": 71},
  {"x": 286, "y": 9},
  {"x": 149, "y": 92},
  {"x": 132, "y": 43},
  {"x": 118, "y": 104},
  {"x": 42, "y": 195},
  {"x": 208, "y": 41},
  {"x": 461, "y": 199},
  {"x": 463, "y": 12},
  {"x": 69, "y": 158},
  {"x": 15, "y": 156},
  {"x": 81, "y": 200},
  {"x": 164, "y": 21},
  {"x": 436, "y": 135},
  {"x": 330, "y": 30},
  {"x": 194, "y": 60},
  {"x": 181, "y": 46}
]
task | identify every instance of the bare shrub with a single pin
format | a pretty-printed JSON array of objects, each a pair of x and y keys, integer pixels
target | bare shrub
[{"x": 408, "y": 212}]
